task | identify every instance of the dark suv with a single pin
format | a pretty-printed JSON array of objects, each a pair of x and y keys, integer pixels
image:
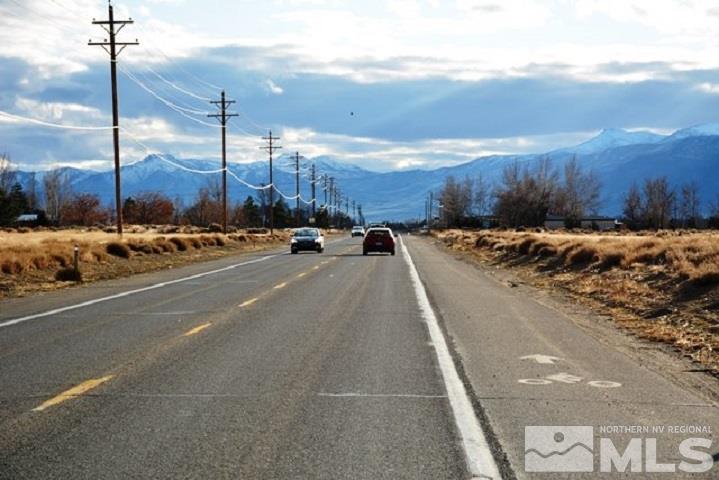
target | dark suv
[{"x": 378, "y": 240}]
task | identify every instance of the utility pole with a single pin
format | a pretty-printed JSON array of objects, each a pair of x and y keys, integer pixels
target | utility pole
[
  {"x": 297, "y": 189},
  {"x": 270, "y": 148},
  {"x": 332, "y": 191},
  {"x": 314, "y": 198},
  {"x": 354, "y": 211},
  {"x": 324, "y": 187},
  {"x": 222, "y": 117},
  {"x": 431, "y": 212},
  {"x": 109, "y": 26}
]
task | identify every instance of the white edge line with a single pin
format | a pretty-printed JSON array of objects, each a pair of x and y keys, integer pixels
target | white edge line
[
  {"x": 48, "y": 313},
  {"x": 474, "y": 442}
]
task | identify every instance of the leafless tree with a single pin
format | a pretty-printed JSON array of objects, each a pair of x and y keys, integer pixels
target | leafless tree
[
  {"x": 633, "y": 208},
  {"x": 7, "y": 173},
  {"x": 456, "y": 200},
  {"x": 526, "y": 193},
  {"x": 578, "y": 195},
  {"x": 58, "y": 193},
  {"x": 690, "y": 204},
  {"x": 482, "y": 196},
  {"x": 659, "y": 199}
]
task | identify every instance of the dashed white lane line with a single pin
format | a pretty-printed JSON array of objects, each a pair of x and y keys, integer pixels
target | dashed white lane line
[{"x": 474, "y": 442}]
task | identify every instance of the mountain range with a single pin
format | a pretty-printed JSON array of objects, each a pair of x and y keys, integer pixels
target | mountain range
[{"x": 619, "y": 157}]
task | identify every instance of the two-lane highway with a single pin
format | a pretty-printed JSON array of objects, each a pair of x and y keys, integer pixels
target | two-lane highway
[
  {"x": 333, "y": 366},
  {"x": 306, "y": 366}
]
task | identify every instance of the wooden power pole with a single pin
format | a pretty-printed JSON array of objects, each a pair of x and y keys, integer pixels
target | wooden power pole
[
  {"x": 223, "y": 103},
  {"x": 270, "y": 148},
  {"x": 109, "y": 26}
]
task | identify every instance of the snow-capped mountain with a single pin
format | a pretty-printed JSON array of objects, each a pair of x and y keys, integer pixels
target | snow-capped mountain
[
  {"x": 613, "y": 138},
  {"x": 619, "y": 157}
]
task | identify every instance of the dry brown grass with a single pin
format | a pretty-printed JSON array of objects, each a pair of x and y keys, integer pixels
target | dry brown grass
[
  {"x": 663, "y": 286},
  {"x": 30, "y": 261}
]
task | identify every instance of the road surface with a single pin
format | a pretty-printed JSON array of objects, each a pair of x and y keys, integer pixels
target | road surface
[{"x": 331, "y": 366}]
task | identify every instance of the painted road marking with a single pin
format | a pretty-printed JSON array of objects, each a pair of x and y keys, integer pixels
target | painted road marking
[
  {"x": 570, "y": 379},
  {"x": 474, "y": 442},
  {"x": 300, "y": 275},
  {"x": 604, "y": 384},
  {"x": 281, "y": 285},
  {"x": 539, "y": 358},
  {"x": 87, "y": 303},
  {"x": 316, "y": 267},
  {"x": 197, "y": 329},
  {"x": 249, "y": 302},
  {"x": 134, "y": 292},
  {"x": 74, "y": 392},
  {"x": 564, "y": 378}
]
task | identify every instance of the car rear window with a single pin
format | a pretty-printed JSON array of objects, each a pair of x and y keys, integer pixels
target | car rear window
[{"x": 378, "y": 233}]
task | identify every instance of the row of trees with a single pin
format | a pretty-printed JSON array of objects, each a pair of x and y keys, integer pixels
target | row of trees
[
  {"x": 524, "y": 197},
  {"x": 528, "y": 193},
  {"x": 659, "y": 205},
  {"x": 62, "y": 206}
]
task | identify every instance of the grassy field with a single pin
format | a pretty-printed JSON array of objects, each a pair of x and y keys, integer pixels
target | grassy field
[
  {"x": 43, "y": 260},
  {"x": 661, "y": 286}
]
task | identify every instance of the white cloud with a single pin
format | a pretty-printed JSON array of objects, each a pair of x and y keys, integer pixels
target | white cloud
[
  {"x": 712, "y": 88},
  {"x": 274, "y": 88}
]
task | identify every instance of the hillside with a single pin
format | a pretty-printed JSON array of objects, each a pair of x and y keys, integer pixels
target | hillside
[{"x": 619, "y": 157}]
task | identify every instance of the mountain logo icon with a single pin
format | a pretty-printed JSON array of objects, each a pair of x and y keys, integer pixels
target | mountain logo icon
[{"x": 558, "y": 448}]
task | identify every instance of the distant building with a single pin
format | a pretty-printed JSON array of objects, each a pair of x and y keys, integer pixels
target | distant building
[
  {"x": 27, "y": 218},
  {"x": 552, "y": 222},
  {"x": 595, "y": 222}
]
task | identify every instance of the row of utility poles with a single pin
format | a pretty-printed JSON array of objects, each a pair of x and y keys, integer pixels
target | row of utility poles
[{"x": 113, "y": 47}]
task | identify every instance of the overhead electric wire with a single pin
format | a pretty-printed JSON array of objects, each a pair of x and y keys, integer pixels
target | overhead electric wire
[
  {"x": 167, "y": 103},
  {"x": 50, "y": 124},
  {"x": 175, "y": 86}
]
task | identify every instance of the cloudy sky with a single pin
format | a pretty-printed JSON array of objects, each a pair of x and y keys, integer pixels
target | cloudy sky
[{"x": 385, "y": 84}]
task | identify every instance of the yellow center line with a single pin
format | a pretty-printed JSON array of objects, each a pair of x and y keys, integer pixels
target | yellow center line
[
  {"x": 281, "y": 285},
  {"x": 197, "y": 329},
  {"x": 300, "y": 275},
  {"x": 249, "y": 302},
  {"x": 316, "y": 267},
  {"x": 75, "y": 391}
]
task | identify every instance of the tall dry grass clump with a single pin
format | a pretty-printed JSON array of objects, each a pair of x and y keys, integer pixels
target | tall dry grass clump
[{"x": 691, "y": 257}]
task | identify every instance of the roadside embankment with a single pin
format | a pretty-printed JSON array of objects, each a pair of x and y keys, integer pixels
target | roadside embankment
[{"x": 40, "y": 260}]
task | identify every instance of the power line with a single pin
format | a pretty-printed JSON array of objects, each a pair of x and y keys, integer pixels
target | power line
[
  {"x": 109, "y": 26},
  {"x": 20, "y": 118}
]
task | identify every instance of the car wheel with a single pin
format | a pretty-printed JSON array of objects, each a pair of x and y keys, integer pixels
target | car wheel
[
  {"x": 392, "y": 252},
  {"x": 364, "y": 252},
  {"x": 293, "y": 251}
]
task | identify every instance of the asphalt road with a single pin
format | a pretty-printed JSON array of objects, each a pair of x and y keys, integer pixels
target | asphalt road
[{"x": 314, "y": 366}]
